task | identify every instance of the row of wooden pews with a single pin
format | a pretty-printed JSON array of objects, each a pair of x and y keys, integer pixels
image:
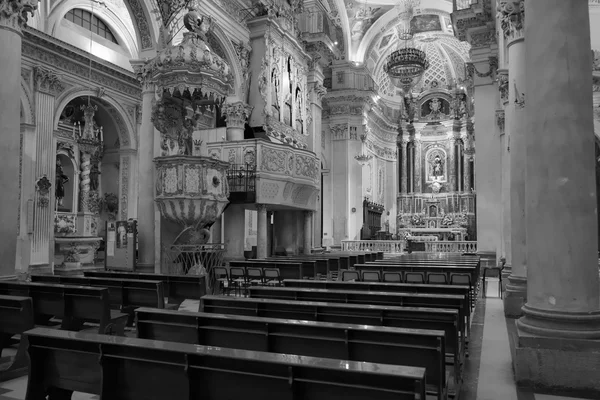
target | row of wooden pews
[
  {"x": 103, "y": 304},
  {"x": 307, "y": 339}
]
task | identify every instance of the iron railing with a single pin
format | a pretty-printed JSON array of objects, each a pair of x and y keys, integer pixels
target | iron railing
[{"x": 242, "y": 182}]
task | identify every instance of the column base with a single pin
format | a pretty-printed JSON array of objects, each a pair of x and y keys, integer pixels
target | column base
[
  {"x": 145, "y": 268},
  {"x": 505, "y": 274},
  {"x": 515, "y": 296},
  {"x": 559, "y": 324},
  {"x": 559, "y": 366}
]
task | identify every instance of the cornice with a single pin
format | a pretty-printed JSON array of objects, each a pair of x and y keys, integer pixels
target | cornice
[{"x": 47, "y": 50}]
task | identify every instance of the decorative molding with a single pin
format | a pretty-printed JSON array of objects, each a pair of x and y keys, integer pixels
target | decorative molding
[
  {"x": 500, "y": 119},
  {"x": 519, "y": 98},
  {"x": 139, "y": 18},
  {"x": 483, "y": 38},
  {"x": 493, "y": 63},
  {"x": 124, "y": 169},
  {"x": 51, "y": 52},
  {"x": 47, "y": 81},
  {"x": 503, "y": 86}
]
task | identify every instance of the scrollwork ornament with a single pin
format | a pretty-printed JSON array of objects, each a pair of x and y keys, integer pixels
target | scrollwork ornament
[
  {"x": 47, "y": 81},
  {"x": 512, "y": 17},
  {"x": 14, "y": 13},
  {"x": 503, "y": 87},
  {"x": 493, "y": 62}
]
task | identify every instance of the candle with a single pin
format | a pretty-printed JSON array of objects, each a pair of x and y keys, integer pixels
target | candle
[{"x": 101, "y": 135}]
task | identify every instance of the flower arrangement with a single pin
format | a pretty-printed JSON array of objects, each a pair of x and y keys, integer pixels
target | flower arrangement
[
  {"x": 111, "y": 204},
  {"x": 65, "y": 224}
]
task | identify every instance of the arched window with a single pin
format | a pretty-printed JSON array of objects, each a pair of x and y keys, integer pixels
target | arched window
[{"x": 90, "y": 22}]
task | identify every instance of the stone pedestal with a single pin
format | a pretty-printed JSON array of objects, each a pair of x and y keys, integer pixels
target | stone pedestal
[
  {"x": 261, "y": 231},
  {"x": 75, "y": 255},
  {"x": 236, "y": 115},
  {"x": 516, "y": 288},
  {"x": 562, "y": 314}
]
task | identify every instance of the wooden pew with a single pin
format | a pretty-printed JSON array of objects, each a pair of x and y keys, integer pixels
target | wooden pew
[
  {"x": 73, "y": 305},
  {"x": 125, "y": 294},
  {"x": 325, "y": 265},
  {"x": 16, "y": 317},
  {"x": 287, "y": 269},
  {"x": 360, "y": 314},
  {"x": 132, "y": 369},
  {"x": 460, "y": 290},
  {"x": 444, "y": 269},
  {"x": 177, "y": 288},
  {"x": 343, "y": 261},
  {"x": 401, "y": 299},
  {"x": 396, "y": 346}
]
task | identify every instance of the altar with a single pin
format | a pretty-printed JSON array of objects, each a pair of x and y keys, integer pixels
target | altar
[{"x": 444, "y": 234}]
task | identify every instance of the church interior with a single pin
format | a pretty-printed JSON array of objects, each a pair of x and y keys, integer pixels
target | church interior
[{"x": 300, "y": 199}]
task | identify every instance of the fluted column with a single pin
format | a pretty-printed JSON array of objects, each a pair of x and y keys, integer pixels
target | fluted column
[
  {"x": 147, "y": 215},
  {"x": 236, "y": 115},
  {"x": 307, "y": 243},
  {"x": 512, "y": 21},
  {"x": 261, "y": 231},
  {"x": 12, "y": 18},
  {"x": 47, "y": 85}
]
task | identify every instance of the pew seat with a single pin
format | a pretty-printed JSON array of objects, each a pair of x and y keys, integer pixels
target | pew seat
[
  {"x": 16, "y": 317},
  {"x": 119, "y": 368}
]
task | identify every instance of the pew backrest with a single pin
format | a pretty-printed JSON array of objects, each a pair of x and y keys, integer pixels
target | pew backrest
[{"x": 16, "y": 314}]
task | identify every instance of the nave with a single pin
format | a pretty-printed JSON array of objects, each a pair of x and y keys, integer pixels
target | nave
[{"x": 424, "y": 315}]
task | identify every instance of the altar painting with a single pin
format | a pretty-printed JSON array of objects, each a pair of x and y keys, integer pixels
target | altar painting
[{"x": 436, "y": 165}]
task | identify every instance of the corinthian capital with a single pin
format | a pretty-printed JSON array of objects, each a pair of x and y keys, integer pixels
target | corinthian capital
[
  {"x": 13, "y": 13},
  {"x": 512, "y": 17},
  {"x": 236, "y": 114},
  {"x": 47, "y": 81}
]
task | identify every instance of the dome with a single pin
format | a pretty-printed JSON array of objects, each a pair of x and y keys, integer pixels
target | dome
[{"x": 446, "y": 54}]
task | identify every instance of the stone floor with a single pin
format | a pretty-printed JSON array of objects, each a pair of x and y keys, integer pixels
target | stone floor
[{"x": 488, "y": 370}]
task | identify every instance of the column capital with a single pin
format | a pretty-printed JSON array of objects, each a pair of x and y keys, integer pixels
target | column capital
[
  {"x": 13, "y": 13},
  {"x": 261, "y": 208},
  {"x": 511, "y": 14},
  {"x": 143, "y": 72},
  {"x": 236, "y": 114},
  {"x": 308, "y": 213},
  {"x": 319, "y": 91},
  {"x": 47, "y": 81}
]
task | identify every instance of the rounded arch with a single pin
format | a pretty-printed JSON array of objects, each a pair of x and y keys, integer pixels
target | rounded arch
[
  {"x": 232, "y": 57},
  {"x": 126, "y": 38},
  {"x": 26, "y": 103},
  {"x": 126, "y": 133}
]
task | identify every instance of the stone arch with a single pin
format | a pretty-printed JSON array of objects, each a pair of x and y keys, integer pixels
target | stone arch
[
  {"x": 127, "y": 132},
  {"x": 146, "y": 27},
  {"x": 26, "y": 103},
  {"x": 232, "y": 57},
  {"x": 118, "y": 28}
]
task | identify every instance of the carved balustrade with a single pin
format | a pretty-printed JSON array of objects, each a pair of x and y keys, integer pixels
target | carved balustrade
[
  {"x": 387, "y": 246},
  {"x": 451, "y": 247}
]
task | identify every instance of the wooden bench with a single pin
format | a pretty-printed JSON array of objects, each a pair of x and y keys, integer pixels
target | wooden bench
[
  {"x": 460, "y": 290},
  {"x": 287, "y": 269},
  {"x": 73, "y": 305},
  {"x": 131, "y": 368},
  {"x": 342, "y": 261},
  {"x": 16, "y": 317},
  {"x": 446, "y": 320},
  {"x": 396, "y": 346},
  {"x": 177, "y": 288},
  {"x": 443, "y": 269},
  {"x": 324, "y": 265},
  {"x": 125, "y": 294},
  {"x": 400, "y": 299}
]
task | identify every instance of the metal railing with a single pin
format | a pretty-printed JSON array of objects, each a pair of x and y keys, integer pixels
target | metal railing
[
  {"x": 242, "y": 182},
  {"x": 387, "y": 246},
  {"x": 451, "y": 247},
  {"x": 184, "y": 259}
]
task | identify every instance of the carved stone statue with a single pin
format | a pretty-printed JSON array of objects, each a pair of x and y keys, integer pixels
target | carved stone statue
[
  {"x": 61, "y": 180},
  {"x": 437, "y": 167}
]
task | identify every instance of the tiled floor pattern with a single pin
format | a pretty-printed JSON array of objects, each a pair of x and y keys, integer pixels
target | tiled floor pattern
[{"x": 488, "y": 370}]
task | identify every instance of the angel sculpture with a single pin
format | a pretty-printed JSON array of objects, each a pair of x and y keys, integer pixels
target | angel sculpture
[{"x": 196, "y": 23}]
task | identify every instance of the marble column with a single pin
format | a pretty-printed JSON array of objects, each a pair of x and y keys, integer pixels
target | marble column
[
  {"x": 315, "y": 79},
  {"x": 261, "y": 231},
  {"x": 418, "y": 166},
  {"x": 467, "y": 158},
  {"x": 307, "y": 244},
  {"x": 404, "y": 161},
  {"x": 48, "y": 86},
  {"x": 562, "y": 312},
  {"x": 12, "y": 18},
  {"x": 513, "y": 18},
  {"x": 452, "y": 164},
  {"x": 236, "y": 115},
  {"x": 146, "y": 183},
  {"x": 234, "y": 222}
]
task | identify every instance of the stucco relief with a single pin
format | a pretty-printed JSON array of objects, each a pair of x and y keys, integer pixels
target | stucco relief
[
  {"x": 139, "y": 17},
  {"x": 124, "y": 170},
  {"x": 307, "y": 167},
  {"x": 273, "y": 160},
  {"x": 269, "y": 190}
]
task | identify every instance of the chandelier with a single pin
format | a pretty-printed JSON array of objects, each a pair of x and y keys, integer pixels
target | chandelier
[
  {"x": 363, "y": 158},
  {"x": 406, "y": 66}
]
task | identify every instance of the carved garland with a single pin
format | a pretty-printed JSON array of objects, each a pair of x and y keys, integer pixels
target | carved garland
[
  {"x": 125, "y": 161},
  {"x": 493, "y": 62}
]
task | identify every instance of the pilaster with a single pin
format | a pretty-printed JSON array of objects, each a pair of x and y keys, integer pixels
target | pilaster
[
  {"x": 47, "y": 86},
  {"x": 261, "y": 231}
]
